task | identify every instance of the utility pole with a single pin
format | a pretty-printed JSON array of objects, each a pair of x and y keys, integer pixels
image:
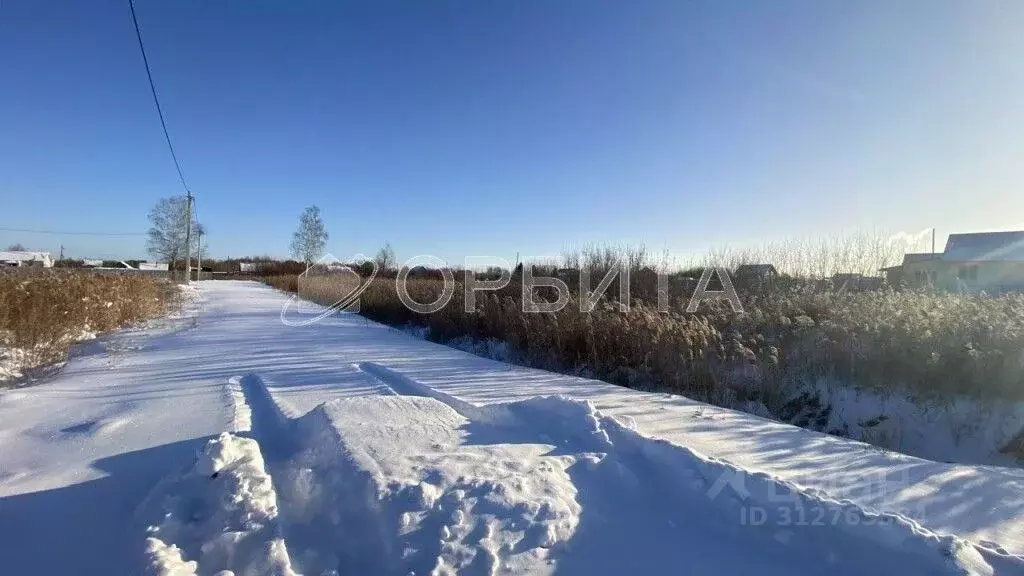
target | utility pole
[
  {"x": 199, "y": 252},
  {"x": 933, "y": 240},
  {"x": 188, "y": 238},
  {"x": 61, "y": 251}
]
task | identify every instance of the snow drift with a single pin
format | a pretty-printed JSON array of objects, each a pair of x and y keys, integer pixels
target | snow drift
[
  {"x": 408, "y": 484},
  {"x": 219, "y": 514}
]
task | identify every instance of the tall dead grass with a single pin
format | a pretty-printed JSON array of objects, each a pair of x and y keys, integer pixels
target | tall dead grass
[
  {"x": 858, "y": 253},
  {"x": 43, "y": 312},
  {"x": 924, "y": 344}
]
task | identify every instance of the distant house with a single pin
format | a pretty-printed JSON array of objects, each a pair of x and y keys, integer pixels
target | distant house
[
  {"x": 112, "y": 265},
  {"x": 917, "y": 269},
  {"x": 845, "y": 277},
  {"x": 153, "y": 266},
  {"x": 992, "y": 261},
  {"x": 247, "y": 267},
  {"x": 893, "y": 274},
  {"x": 754, "y": 275},
  {"x": 857, "y": 281},
  {"x": 92, "y": 263},
  {"x": 328, "y": 268},
  {"x": 25, "y": 258},
  {"x": 989, "y": 261},
  {"x": 921, "y": 269}
]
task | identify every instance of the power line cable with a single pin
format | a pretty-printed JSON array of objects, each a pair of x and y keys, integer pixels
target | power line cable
[
  {"x": 152, "y": 88},
  {"x": 67, "y": 233}
]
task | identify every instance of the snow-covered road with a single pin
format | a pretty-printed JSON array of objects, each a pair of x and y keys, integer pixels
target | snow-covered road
[{"x": 349, "y": 446}]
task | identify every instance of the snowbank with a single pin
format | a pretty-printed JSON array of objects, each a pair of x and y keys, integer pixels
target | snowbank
[
  {"x": 15, "y": 362},
  {"x": 219, "y": 514},
  {"x": 420, "y": 482},
  {"x": 962, "y": 430},
  {"x": 837, "y": 533},
  {"x": 386, "y": 485},
  {"x": 965, "y": 430},
  {"x": 754, "y": 508},
  {"x": 12, "y": 361}
]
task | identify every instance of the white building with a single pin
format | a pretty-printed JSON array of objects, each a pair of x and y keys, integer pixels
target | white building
[{"x": 25, "y": 258}]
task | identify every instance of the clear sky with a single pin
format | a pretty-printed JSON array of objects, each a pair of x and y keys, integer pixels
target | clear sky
[{"x": 495, "y": 127}]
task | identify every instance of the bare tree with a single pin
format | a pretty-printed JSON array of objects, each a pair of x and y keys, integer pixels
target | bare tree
[
  {"x": 200, "y": 250},
  {"x": 200, "y": 231},
  {"x": 167, "y": 225},
  {"x": 16, "y": 247},
  {"x": 310, "y": 240},
  {"x": 385, "y": 257}
]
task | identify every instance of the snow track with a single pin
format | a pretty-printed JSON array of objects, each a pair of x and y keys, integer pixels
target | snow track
[
  {"x": 406, "y": 386},
  {"x": 420, "y": 482}
]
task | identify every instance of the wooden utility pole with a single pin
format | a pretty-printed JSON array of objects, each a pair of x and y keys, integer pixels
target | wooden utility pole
[
  {"x": 199, "y": 253},
  {"x": 188, "y": 238}
]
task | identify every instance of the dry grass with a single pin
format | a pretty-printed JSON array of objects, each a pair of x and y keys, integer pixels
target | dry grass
[
  {"x": 862, "y": 253},
  {"x": 286, "y": 282},
  {"x": 925, "y": 345},
  {"x": 43, "y": 312}
]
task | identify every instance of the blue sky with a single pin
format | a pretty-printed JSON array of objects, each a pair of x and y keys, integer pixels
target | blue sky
[{"x": 490, "y": 128}]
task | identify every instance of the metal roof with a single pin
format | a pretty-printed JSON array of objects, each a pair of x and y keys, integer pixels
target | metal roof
[
  {"x": 23, "y": 256},
  {"x": 985, "y": 247},
  {"x": 919, "y": 257}
]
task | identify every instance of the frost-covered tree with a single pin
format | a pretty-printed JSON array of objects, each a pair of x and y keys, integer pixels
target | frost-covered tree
[
  {"x": 385, "y": 257},
  {"x": 310, "y": 240},
  {"x": 201, "y": 250},
  {"x": 167, "y": 229}
]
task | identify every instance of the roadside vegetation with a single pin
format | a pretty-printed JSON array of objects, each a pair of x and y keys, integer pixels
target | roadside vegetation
[
  {"x": 798, "y": 339},
  {"x": 44, "y": 312},
  {"x": 930, "y": 344}
]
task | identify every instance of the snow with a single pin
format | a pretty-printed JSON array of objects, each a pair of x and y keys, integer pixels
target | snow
[
  {"x": 24, "y": 257},
  {"x": 15, "y": 362},
  {"x": 964, "y": 430},
  {"x": 222, "y": 439},
  {"x": 12, "y": 362},
  {"x": 222, "y": 512},
  {"x": 959, "y": 429},
  {"x": 431, "y": 501}
]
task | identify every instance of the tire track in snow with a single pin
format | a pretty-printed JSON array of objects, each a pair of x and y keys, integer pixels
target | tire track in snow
[
  {"x": 240, "y": 416},
  {"x": 272, "y": 425},
  {"x": 405, "y": 386},
  {"x": 326, "y": 504},
  {"x": 271, "y": 422}
]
